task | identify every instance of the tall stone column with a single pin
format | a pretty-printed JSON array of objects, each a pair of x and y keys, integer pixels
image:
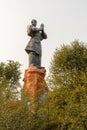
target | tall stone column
[{"x": 34, "y": 83}]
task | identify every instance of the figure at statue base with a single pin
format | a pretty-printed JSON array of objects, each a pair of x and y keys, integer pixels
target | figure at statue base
[{"x": 33, "y": 48}]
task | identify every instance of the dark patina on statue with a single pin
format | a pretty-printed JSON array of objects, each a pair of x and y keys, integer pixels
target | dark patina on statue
[{"x": 33, "y": 48}]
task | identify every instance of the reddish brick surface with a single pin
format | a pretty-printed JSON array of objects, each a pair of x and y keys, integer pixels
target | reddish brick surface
[{"x": 34, "y": 82}]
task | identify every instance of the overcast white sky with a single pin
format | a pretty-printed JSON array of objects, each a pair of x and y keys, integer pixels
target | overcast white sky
[{"x": 64, "y": 20}]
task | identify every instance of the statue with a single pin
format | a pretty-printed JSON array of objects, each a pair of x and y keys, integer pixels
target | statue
[
  {"x": 33, "y": 48},
  {"x": 34, "y": 82}
]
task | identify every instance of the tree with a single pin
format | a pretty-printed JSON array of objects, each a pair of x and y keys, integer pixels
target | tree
[
  {"x": 9, "y": 78},
  {"x": 9, "y": 93},
  {"x": 16, "y": 114},
  {"x": 68, "y": 78},
  {"x": 64, "y": 108},
  {"x": 68, "y": 65}
]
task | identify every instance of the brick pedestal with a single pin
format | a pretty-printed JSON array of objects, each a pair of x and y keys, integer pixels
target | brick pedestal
[{"x": 34, "y": 82}]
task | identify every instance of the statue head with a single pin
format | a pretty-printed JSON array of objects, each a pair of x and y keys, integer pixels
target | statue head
[{"x": 34, "y": 22}]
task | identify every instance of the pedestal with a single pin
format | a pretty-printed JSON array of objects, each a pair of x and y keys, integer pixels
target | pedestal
[{"x": 34, "y": 82}]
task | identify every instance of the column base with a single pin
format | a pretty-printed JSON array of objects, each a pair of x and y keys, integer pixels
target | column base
[{"x": 34, "y": 82}]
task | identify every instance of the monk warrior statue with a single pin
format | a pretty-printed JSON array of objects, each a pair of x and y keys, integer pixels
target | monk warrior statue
[{"x": 34, "y": 46}]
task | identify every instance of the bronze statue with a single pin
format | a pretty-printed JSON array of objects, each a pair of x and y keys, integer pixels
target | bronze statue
[{"x": 33, "y": 48}]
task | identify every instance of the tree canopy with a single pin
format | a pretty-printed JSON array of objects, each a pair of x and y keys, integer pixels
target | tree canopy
[
  {"x": 69, "y": 65},
  {"x": 63, "y": 108},
  {"x": 9, "y": 78},
  {"x": 68, "y": 78}
]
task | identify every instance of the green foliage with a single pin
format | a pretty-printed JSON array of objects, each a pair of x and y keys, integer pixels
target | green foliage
[
  {"x": 64, "y": 108},
  {"x": 9, "y": 84},
  {"x": 68, "y": 77},
  {"x": 10, "y": 72},
  {"x": 16, "y": 114},
  {"x": 68, "y": 108},
  {"x": 9, "y": 79},
  {"x": 68, "y": 64},
  {"x": 19, "y": 116}
]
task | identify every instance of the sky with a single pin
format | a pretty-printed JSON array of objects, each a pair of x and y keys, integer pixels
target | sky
[{"x": 64, "y": 20}]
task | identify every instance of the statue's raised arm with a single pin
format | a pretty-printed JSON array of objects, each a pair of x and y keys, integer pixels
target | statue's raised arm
[{"x": 44, "y": 35}]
